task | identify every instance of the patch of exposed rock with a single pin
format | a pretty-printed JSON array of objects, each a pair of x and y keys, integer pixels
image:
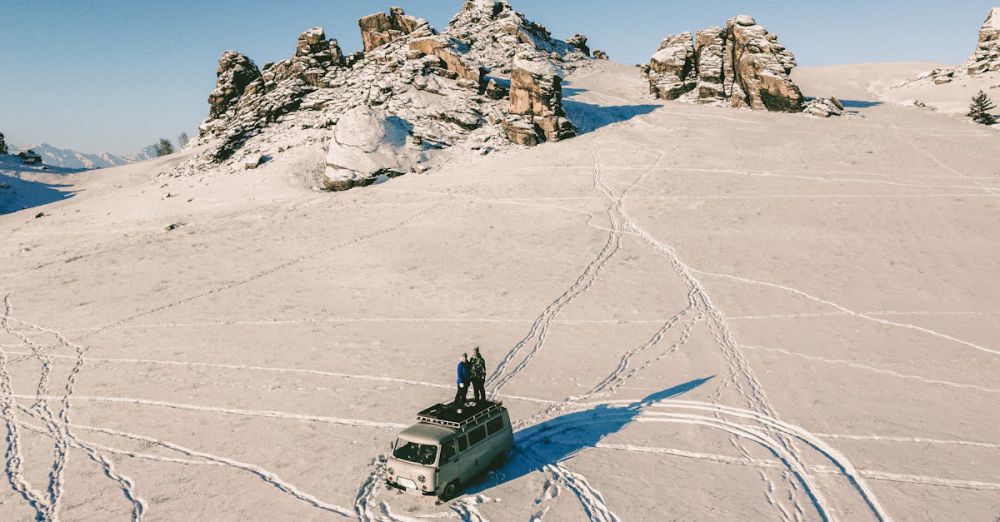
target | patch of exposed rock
[
  {"x": 455, "y": 91},
  {"x": 742, "y": 65},
  {"x": 536, "y": 112},
  {"x": 600, "y": 55},
  {"x": 824, "y": 107},
  {"x": 985, "y": 59}
]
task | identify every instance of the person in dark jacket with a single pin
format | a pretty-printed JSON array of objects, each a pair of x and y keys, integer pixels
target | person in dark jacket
[
  {"x": 463, "y": 379},
  {"x": 478, "y": 376}
]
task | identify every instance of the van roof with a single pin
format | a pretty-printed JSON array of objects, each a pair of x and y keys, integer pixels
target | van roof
[
  {"x": 426, "y": 433},
  {"x": 460, "y": 417}
]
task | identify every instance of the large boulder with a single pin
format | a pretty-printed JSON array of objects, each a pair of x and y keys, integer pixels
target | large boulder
[
  {"x": 236, "y": 71},
  {"x": 380, "y": 28},
  {"x": 761, "y": 68},
  {"x": 367, "y": 144},
  {"x": 742, "y": 64},
  {"x": 672, "y": 68},
  {"x": 987, "y": 55},
  {"x": 536, "y": 111}
]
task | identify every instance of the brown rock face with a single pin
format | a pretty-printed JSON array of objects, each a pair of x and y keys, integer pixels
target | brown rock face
[
  {"x": 742, "y": 64},
  {"x": 448, "y": 51},
  {"x": 536, "y": 108},
  {"x": 579, "y": 42},
  {"x": 235, "y": 73},
  {"x": 381, "y": 28},
  {"x": 313, "y": 44},
  {"x": 600, "y": 55},
  {"x": 987, "y": 55}
]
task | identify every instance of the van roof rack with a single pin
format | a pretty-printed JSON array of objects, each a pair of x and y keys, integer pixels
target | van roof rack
[{"x": 459, "y": 417}]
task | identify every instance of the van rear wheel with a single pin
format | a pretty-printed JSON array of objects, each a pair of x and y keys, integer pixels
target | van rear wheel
[{"x": 450, "y": 491}]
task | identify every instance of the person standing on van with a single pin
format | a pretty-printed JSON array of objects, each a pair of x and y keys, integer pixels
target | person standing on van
[
  {"x": 463, "y": 379},
  {"x": 478, "y": 376}
]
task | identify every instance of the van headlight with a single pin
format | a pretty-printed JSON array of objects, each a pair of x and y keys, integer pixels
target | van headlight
[{"x": 422, "y": 478}]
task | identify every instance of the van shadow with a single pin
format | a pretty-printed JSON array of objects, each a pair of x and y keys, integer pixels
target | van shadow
[
  {"x": 589, "y": 117},
  {"x": 18, "y": 194},
  {"x": 564, "y": 437}
]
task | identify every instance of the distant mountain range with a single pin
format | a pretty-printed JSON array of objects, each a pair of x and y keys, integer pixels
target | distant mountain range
[{"x": 72, "y": 159}]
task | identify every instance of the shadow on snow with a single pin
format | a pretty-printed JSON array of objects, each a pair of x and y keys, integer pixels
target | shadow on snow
[
  {"x": 563, "y": 437},
  {"x": 589, "y": 117},
  {"x": 18, "y": 194}
]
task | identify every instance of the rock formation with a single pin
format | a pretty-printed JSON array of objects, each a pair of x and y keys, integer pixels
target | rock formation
[
  {"x": 987, "y": 55},
  {"x": 742, "y": 64},
  {"x": 579, "y": 42},
  {"x": 380, "y": 28},
  {"x": 600, "y": 55},
  {"x": 671, "y": 70},
  {"x": 453, "y": 91},
  {"x": 824, "y": 107},
  {"x": 536, "y": 113}
]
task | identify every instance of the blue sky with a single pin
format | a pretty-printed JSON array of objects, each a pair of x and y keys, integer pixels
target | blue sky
[{"x": 115, "y": 75}]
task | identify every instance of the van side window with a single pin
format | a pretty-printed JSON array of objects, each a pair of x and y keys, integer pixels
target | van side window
[
  {"x": 447, "y": 451},
  {"x": 462, "y": 444},
  {"x": 495, "y": 425},
  {"x": 477, "y": 435}
]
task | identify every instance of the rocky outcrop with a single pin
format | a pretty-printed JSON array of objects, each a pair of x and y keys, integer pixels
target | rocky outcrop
[
  {"x": 494, "y": 34},
  {"x": 579, "y": 42},
  {"x": 30, "y": 157},
  {"x": 824, "y": 107},
  {"x": 536, "y": 112},
  {"x": 381, "y": 28},
  {"x": 742, "y": 64},
  {"x": 600, "y": 55},
  {"x": 987, "y": 55},
  {"x": 448, "y": 91},
  {"x": 671, "y": 71},
  {"x": 235, "y": 73}
]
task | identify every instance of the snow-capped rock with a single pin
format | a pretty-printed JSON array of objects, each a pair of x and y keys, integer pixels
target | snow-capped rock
[
  {"x": 743, "y": 65},
  {"x": 367, "y": 144},
  {"x": 448, "y": 90},
  {"x": 987, "y": 55}
]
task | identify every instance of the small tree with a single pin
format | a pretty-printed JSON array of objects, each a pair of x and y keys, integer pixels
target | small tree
[
  {"x": 182, "y": 140},
  {"x": 3, "y": 144},
  {"x": 164, "y": 147},
  {"x": 980, "y": 109}
]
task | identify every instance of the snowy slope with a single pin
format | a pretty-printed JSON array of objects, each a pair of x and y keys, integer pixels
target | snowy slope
[{"x": 72, "y": 159}]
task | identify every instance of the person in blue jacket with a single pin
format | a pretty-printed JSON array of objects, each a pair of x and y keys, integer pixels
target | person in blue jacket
[{"x": 463, "y": 379}]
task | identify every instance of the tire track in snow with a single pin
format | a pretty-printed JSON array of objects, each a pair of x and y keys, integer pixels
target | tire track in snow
[
  {"x": 260, "y": 274},
  {"x": 860, "y": 315},
  {"x": 263, "y": 474},
  {"x": 876, "y": 370}
]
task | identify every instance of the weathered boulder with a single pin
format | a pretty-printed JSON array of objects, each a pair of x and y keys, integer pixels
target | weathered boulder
[
  {"x": 367, "y": 144},
  {"x": 987, "y": 55},
  {"x": 742, "y": 64},
  {"x": 600, "y": 55},
  {"x": 824, "y": 107},
  {"x": 761, "y": 68},
  {"x": 380, "y": 28},
  {"x": 536, "y": 102},
  {"x": 672, "y": 68},
  {"x": 579, "y": 42},
  {"x": 236, "y": 71}
]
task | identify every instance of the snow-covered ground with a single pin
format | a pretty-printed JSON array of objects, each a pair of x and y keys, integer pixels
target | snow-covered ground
[{"x": 691, "y": 312}]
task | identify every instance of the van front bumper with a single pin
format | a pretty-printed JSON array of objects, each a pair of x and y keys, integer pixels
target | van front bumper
[{"x": 416, "y": 491}]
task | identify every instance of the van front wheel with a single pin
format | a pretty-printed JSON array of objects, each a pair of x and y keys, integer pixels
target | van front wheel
[{"x": 450, "y": 491}]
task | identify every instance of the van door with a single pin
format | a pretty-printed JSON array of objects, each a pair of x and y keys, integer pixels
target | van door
[
  {"x": 477, "y": 451},
  {"x": 449, "y": 467}
]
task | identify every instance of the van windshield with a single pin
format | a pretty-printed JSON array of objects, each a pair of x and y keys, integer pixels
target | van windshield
[{"x": 424, "y": 454}]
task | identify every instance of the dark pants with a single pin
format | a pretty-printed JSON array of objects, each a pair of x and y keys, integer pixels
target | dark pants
[
  {"x": 479, "y": 389},
  {"x": 462, "y": 393}
]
